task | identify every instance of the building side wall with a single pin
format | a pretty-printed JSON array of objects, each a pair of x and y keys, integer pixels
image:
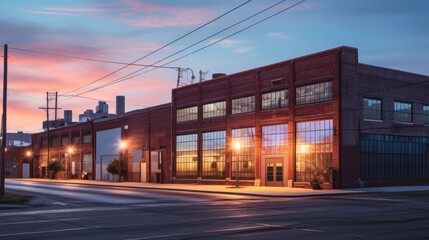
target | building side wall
[{"x": 361, "y": 81}]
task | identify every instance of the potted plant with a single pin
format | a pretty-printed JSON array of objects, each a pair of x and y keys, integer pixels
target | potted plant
[
  {"x": 316, "y": 181},
  {"x": 54, "y": 167},
  {"x": 115, "y": 167}
]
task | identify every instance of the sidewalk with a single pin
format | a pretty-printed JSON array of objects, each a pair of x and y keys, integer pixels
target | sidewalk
[{"x": 229, "y": 189}]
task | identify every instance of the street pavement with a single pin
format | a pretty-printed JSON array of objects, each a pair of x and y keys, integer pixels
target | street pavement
[{"x": 231, "y": 189}]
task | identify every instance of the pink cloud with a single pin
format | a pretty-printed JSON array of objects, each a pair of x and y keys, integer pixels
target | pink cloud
[
  {"x": 163, "y": 16},
  {"x": 77, "y": 10},
  {"x": 38, "y": 12}
]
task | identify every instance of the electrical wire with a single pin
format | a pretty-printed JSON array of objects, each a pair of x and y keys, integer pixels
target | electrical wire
[
  {"x": 160, "y": 48},
  {"x": 129, "y": 76},
  {"x": 88, "y": 59}
]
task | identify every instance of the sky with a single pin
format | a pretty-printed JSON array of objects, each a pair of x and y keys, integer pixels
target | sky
[{"x": 78, "y": 47}]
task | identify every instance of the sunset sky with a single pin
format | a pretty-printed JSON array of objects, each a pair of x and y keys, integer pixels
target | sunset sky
[{"x": 388, "y": 33}]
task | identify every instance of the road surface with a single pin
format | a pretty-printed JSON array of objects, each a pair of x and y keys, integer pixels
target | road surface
[{"x": 73, "y": 211}]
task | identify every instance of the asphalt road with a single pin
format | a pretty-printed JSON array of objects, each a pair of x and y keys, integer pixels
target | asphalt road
[{"x": 64, "y": 211}]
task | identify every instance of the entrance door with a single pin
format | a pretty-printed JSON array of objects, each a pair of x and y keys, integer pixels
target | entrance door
[
  {"x": 25, "y": 170},
  {"x": 274, "y": 172}
]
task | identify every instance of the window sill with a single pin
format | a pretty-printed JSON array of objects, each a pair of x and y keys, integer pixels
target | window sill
[
  {"x": 404, "y": 123},
  {"x": 373, "y": 120}
]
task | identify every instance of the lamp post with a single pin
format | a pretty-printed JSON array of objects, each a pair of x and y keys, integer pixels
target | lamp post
[
  {"x": 123, "y": 145},
  {"x": 28, "y": 154},
  {"x": 237, "y": 166},
  {"x": 69, "y": 151}
]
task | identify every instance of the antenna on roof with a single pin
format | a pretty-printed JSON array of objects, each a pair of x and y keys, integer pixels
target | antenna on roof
[
  {"x": 181, "y": 80},
  {"x": 203, "y": 75}
]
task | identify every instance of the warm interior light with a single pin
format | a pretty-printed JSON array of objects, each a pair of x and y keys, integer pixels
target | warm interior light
[
  {"x": 237, "y": 145},
  {"x": 70, "y": 150},
  {"x": 123, "y": 144},
  {"x": 303, "y": 148},
  {"x": 28, "y": 153}
]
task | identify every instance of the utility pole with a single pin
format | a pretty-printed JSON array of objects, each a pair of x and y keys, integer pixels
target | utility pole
[
  {"x": 56, "y": 110},
  {"x": 3, "y": 126},
  {"x": 49, "y": 97}
]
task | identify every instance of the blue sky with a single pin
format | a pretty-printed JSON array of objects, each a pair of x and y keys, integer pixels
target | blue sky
[{"x": 391, "y": 34}]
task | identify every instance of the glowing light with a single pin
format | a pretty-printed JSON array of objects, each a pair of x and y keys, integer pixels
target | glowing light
[
  {"x": 123, "y": 145},
  {"x": 28, "y": 153},
  {"x": 237, "y": 145},
  {"x": 303, "y": 148},
  {"x": 70, "y": 150}
]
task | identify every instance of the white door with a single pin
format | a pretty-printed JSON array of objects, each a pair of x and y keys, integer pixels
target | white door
[
  {"x": 143, "y": 172},
  {"x": 25, "y": 170}
]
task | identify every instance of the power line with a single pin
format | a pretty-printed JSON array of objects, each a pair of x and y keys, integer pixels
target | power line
[
  {"x": 89, "y": 59},
  {"x": 97, "y": 99},
  {"x": 160, "y": 48},
  {"x": 128, "y": 76}
]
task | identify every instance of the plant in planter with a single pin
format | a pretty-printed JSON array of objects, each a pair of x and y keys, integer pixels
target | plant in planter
[
  {"x": 115, "y": 167},
  {"x": 54, "y": 167},
  {"x": 316, "y": 181}
]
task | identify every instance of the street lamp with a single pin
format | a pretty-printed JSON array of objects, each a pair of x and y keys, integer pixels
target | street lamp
[
  {"x": 123, "y": 146},
  {"x": 69, "y": 151},
  {"x": 28, "y": 154},
  {"x": 237, "y": 149}
]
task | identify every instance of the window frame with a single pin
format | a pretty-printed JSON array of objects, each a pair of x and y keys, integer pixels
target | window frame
[
  {"x": 237, "y": 106},
  {"x": 397, "y": 112},
  {"x": 425, "y": 113},
  {"x": 214, "y": 113},
  {"x": 365, "y": 109},
  {"x": 301, "y": 98},
  {"x": 186, "y": 114},
  {"x": 270, "y": 103}
]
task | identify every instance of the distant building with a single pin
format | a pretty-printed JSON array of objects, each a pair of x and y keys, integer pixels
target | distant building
[
  {"x": 60, "y": 122},
  {"x": 16, "y": 146},
  {"x": 19, "y": 139},
  {"x": 102, "y": 110},
  {"x": 120, "y": 105},
  {"x": 102, "y": 107}
]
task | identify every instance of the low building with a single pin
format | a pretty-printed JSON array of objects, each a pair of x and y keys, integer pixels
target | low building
[
  {"x": 323, "y": 120},
  {"x": 85, "y": 149},
  {"x": 323, "y": 117}
]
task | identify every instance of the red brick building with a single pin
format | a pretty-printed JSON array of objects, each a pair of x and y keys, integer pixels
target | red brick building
[
  {"x": 324, "y": 117},
  {"x": 309, "y": 118},
  {"x": 84, "y": 156}
]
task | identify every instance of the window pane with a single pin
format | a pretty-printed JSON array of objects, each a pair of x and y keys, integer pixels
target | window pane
[
  {"x": 274, "y": 100},
  {"x": 318, "y": 92},
  {"x": 426, "y": 114},
  {"x": 314, "y": 149},
  {"x": 394, "y": 157},
  {"x": 372, "y": 109},
  {"x": 214, "y": 147},
  {"x": 403, "y": 112},
  {"x": 214, "y": 109},
  {"x": 245, "y": 155},
  {"x": 243, "y": 105},
  {"x": 186, "y": 156},
  {"x": 187, "y": 114},
  {"x": 275, "y": 140}
]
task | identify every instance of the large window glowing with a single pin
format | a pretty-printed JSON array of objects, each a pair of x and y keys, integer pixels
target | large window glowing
[{"x": 314, "y": 150}]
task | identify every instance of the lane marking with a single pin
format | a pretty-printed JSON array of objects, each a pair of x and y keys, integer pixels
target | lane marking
[
  {"x": 42, "y": 221},
  {"x": 47, "y": 231},
  {"x": 64, "y": 210}
]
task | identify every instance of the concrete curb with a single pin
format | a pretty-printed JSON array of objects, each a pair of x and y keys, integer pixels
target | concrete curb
[{"x": 317, "y": 193}]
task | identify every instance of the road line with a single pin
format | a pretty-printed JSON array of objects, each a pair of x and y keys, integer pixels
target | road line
[
  {"x": 210, "y": 231},
  {"x": 42, "y": 221},
  {"x": 47, "y": 231},
  {"x": 65, "y": 210}
]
